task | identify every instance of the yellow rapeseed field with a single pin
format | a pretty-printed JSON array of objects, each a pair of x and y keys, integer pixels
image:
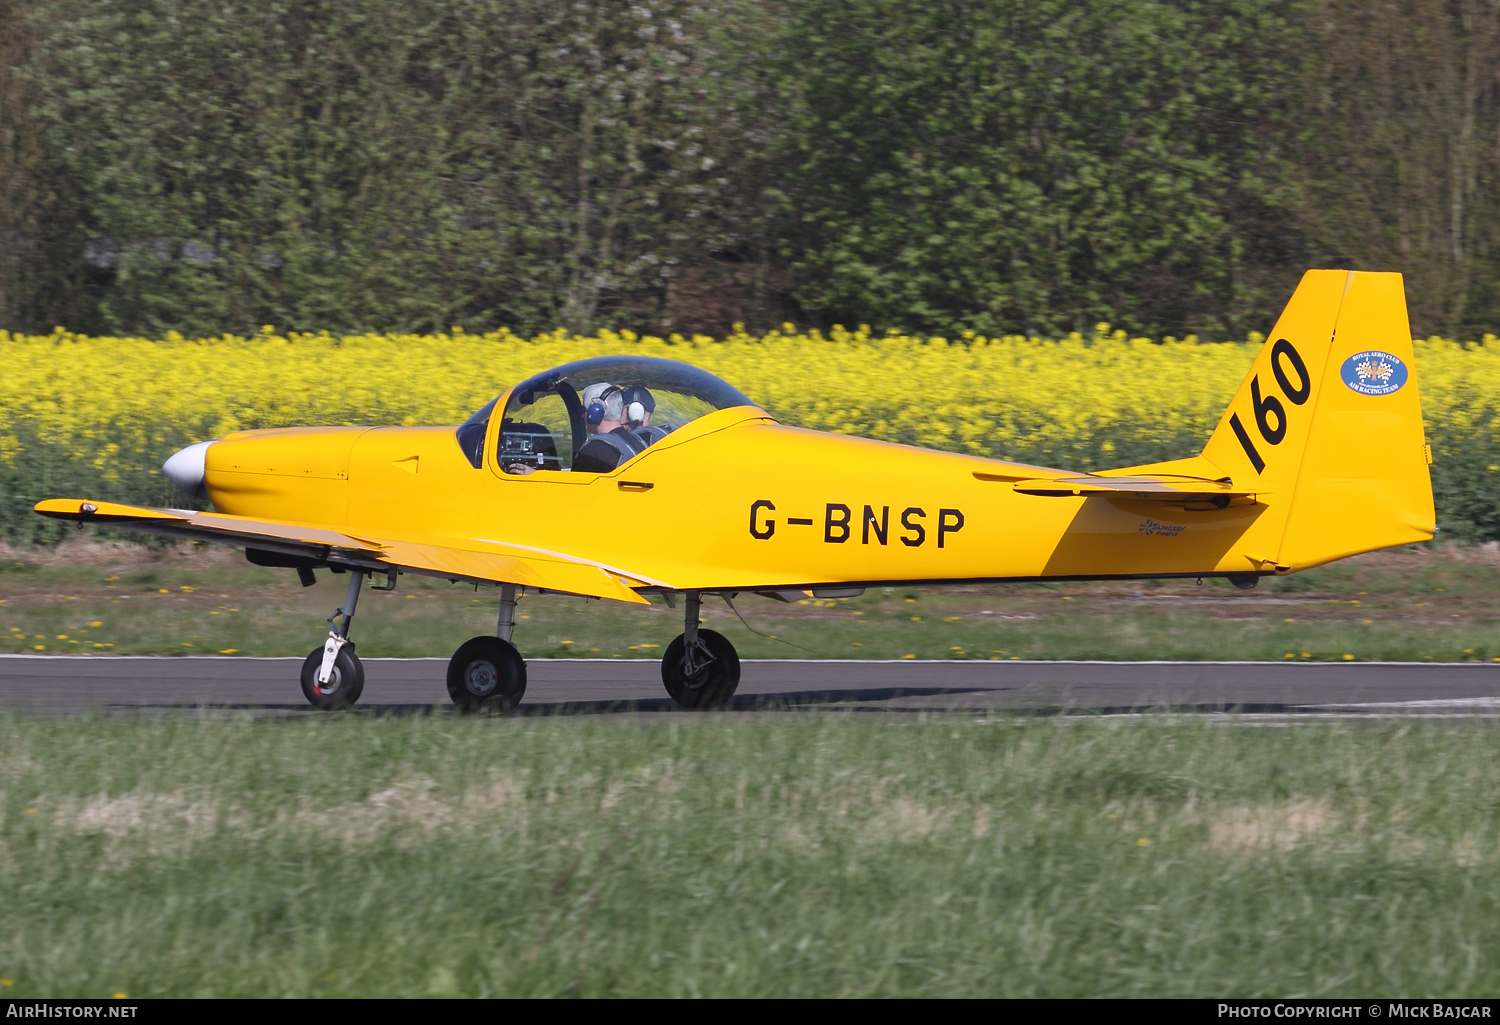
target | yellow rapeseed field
[{"x": 118, "y": 406}]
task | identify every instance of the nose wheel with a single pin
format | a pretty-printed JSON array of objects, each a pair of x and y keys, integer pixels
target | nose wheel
[
  {"x": 332, "y": 676},
  {"x": 344, "y": 684},
  {"x": 701, "y": 669}
]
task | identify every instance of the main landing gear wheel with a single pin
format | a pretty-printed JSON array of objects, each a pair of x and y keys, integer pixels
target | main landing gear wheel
[
  {"x": 709, "y": 680},
  {"x": 486, "y": 674},
  {"x": 345, "y": 683}
]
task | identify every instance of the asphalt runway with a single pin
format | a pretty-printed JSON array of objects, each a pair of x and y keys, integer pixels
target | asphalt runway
[{"x": 62, "y": 683}]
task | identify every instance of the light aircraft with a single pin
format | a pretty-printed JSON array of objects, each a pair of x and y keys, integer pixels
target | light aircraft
[{"x": 643, "y": 479}]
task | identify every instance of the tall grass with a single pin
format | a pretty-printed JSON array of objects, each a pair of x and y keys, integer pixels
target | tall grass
[{"x": 772, "y": 854}]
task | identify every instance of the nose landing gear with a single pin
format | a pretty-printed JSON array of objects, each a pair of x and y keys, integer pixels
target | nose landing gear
[
  {"x": 332, "y": 676},
  {"x": 700, "y": 669}
]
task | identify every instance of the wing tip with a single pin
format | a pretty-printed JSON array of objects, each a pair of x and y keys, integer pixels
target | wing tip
[{"x": 84, "y": 510}]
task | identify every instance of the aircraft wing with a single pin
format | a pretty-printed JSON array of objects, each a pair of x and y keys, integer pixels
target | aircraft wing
[
  {"x": 515, "y": 564},
  {"x": 470, "y": 559},
  {"x": 1162, "y": 488}
]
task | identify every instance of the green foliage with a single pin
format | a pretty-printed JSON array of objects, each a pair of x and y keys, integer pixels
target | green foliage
[
  {"x": 1024, "y": 168},
  {"x": 1168, "y": 166},
  {"x": 1466, "y": 480},
  {"x": 1393, "y": 163},
  {"x": 41, "y": 468},
  {"x": 364, "y": 164}
]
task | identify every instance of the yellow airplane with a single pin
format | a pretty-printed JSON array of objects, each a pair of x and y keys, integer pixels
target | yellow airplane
[{"x": 632, "y": 478}]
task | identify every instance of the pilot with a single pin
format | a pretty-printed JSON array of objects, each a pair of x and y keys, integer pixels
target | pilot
[
  {"x": 639, "y": 405},
  {"x": 599, "y": 401},
  {"x": 611, "y": 443}
]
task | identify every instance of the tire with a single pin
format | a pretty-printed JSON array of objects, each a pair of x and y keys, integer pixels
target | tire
[
  {"x": 712, "y": 685},
  {"x": 345, "y": 683},
  {"x": 486, "y": 674}
]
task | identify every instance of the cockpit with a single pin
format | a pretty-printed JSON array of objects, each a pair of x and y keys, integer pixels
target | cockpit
[{"x": 593, "y": 415}]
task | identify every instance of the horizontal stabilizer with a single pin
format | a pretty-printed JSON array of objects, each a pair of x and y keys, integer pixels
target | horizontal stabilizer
[{"x": 1152, "y": 488}]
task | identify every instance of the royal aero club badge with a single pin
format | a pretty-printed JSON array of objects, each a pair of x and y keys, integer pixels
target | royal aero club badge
[{"x": 1374, "y": 372}]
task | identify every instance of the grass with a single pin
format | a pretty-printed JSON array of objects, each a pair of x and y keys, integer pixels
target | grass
[
  {"x": 1439, "y": 604},
  {"x": 731, "y": 855}
]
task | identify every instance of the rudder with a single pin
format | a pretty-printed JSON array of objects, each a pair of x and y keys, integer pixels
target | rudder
[
  {"x": 1329, "y": 423},
  {"x": 1364, "y": 482}
]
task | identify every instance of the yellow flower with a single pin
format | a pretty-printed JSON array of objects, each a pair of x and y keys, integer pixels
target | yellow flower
[{"x": 118, "y": 406}]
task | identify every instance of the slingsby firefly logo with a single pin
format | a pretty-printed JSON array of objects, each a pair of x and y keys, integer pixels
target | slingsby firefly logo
[{"x": 1374, "y": 372}]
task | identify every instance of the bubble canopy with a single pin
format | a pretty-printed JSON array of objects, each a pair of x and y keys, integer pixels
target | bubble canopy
[{"x": 545, "y": 421}]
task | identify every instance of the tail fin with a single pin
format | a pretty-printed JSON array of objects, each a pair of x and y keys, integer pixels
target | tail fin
[{"x": 1328, "y": 422}]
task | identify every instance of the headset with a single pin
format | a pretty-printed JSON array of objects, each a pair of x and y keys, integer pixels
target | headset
[
  {"x": 638, "y": 402},
  {"x": 599, "y": 407}
]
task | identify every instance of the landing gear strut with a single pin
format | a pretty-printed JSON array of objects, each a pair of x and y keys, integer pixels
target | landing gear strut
[
  {"x": 332, "y": 676},
  {"x": 488, "y": 673},
  {"x": 700, "y": 668}
]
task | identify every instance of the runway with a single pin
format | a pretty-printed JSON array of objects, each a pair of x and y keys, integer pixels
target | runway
[{"x": 102, "y": 683}]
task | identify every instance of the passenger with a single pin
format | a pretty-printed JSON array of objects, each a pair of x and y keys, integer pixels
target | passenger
[
  {"x": 611, "y": 443},
  {"x": 639, "y": 405}
]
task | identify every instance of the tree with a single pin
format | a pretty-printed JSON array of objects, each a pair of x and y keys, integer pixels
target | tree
[
  {"x": 366, "y": 164},
  {"x": 1007, "y": 167},
  {"x": 1396, "y": 163}
]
